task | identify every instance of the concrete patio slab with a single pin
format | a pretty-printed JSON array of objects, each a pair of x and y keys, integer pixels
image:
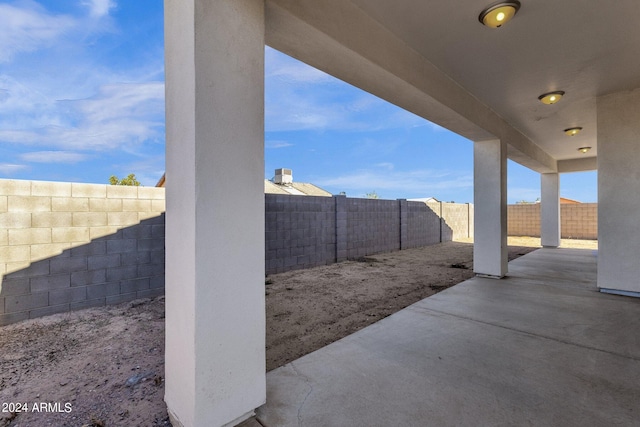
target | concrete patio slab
[{"x": 541, "y": 347}]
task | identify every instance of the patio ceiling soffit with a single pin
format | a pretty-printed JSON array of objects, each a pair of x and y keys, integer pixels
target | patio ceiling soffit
[{"x": 337, "y": 37}]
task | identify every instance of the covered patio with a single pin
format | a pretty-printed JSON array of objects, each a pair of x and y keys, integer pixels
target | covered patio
[
  {"x": 437, "y": 60},
  {"x": 541, "y": 347}
]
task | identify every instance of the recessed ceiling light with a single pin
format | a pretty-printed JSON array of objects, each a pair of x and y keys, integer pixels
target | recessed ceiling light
[
  {"x": 584, "y": 149},
  {"x": 572, "y": 131},
  {"x": 551, "y": 97},
  {"x": 498, "y": 14}
]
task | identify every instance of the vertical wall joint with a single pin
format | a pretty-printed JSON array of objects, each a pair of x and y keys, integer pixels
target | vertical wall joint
[{"x": 341, "y": 228}]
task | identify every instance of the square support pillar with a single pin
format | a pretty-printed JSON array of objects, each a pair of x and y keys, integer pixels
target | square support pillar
[
  {"x": 619, "y": 193},
  {"x": 490, "y": 254},
  {"x": 550, "y": 210},
  {"x": 215, "y": 301}
]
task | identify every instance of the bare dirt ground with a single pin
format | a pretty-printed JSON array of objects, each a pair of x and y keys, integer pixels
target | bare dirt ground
[{"x": 104, "y": 367}]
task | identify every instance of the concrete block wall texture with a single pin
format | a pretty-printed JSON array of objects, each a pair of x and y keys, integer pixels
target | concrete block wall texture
[
  {"x": 373, "y": 226},
  {"x": 577, "y": 221},
  {"x": 457, "y": 219},
  {"x": 523, "y": 220},
  {"x": 305, "y": 231},
  {"x": 66, "y": 246},
  {"x": 300, "y": 232},
  {"x": 471, "y": 213},
  {"x": 341, "y": 228},
  {"x": 423, "y": 225}
]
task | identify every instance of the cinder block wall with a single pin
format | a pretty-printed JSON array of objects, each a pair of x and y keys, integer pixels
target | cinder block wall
[
  {"x": 523, "y": 220},
  {"x": 300, "y": 232},
  {"x": 472, "y": 219},
  {"x": 373, "y": 226},
  {"x": 577, "y": 221},
  {"x": 66, "y": 246},
  {"x": 457, "y": 218},
  {"x": 305, "y": 231},
  {"x": 423, "y": 226}
]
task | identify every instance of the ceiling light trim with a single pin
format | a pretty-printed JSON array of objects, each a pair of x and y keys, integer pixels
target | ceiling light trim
[
  {"x": 490, "y": 16},
  {"x": 572, "y": 131},
  {"x": 551, "y": 98}
]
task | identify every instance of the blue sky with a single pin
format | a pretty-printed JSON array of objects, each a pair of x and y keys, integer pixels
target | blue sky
[{"x": 82, "y": 98}]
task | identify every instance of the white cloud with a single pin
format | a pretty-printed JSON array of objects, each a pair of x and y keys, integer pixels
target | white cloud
[
  {"x": 10, "y": 169},
  {"x": 120, "y": 101},
  {"x": 282, "y": 67},
  {"x": 299, "y": 97},
  {"x": 99, "y": 8},
  {"x": 29, "y": 27},
  {"x": 73, "y": 90},
  {"x": 293, "y": 109},
  {"x": 435, "y": 127},
  {"x": 53, "y": 157},
  {"x": 22, "y": 106},
  {"x": 385, "y": 165},
  {"x": 277, "y": 144},
  {"x": 425, "y": 182},
  {"x": 119, "y": 117}
]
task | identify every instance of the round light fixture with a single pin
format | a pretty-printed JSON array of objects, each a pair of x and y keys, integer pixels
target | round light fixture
[
  {"x": 496, "y": 15},
  {"x": 551, "y": 97},
  {"x": 572, "y": 131},
  {"x": 584, "y": 149}
]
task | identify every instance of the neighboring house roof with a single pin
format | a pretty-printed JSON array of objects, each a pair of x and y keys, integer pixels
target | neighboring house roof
[
  {"x": 294, "y": 188},
  {"x": 569, "y": 201},
  {"x": 424, "y": 199}
]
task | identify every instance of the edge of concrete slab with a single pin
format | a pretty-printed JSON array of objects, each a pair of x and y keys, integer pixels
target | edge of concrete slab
[{"x": 482, "y": 351}]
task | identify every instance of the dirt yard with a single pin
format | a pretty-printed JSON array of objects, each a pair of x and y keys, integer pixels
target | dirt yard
[{"x": 104, "y": 367}]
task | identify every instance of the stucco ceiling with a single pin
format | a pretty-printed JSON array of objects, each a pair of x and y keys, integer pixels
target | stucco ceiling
[
  {"x": 585, "y": 48},
  {"x": 436, "y": 59}
]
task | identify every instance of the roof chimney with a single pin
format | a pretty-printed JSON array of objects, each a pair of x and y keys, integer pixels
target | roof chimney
[{"x": 283, "y": 176}]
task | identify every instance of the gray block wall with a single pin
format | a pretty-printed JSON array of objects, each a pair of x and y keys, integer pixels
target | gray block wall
[
  {"x": 67, "y": 246},
  {"x": 300, "y": 232},
  {"x": 423, "y": 225},
  {"x": 373, "y": 226},
  {"x": 305, "y": 231}
]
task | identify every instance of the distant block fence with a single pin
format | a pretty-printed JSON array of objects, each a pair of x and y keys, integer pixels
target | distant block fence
[
  {"x": 577, "y": 221},
  {"x": 66, "y": 246},
  {"x": 304, "y": 231}
]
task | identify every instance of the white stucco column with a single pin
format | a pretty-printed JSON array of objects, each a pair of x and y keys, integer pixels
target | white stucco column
[
  {"x": 550, "y": 210},
  {"x": 619, "y": 192},
  {"x": 490, "y": 200},
  {"x": 215, "y": 307}
]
